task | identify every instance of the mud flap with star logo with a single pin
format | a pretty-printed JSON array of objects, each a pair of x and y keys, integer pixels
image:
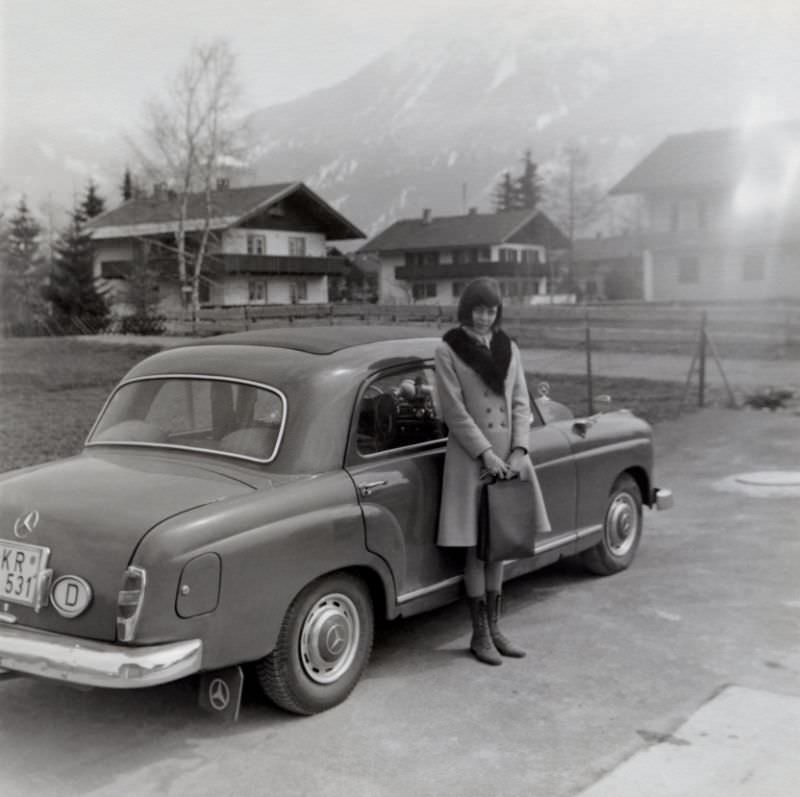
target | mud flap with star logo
[{"x": 220, "y": 693}]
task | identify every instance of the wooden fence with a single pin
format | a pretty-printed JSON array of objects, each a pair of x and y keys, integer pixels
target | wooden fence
[{"x": 743, "y": 329}]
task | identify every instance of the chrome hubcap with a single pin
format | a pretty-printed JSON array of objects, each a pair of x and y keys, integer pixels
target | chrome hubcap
[
  {"x": 622, "y": 524},
  {"x": 329, "y": 638}
]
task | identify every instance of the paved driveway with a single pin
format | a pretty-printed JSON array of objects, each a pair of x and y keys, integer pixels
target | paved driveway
[{"x": 651, "y": 669}]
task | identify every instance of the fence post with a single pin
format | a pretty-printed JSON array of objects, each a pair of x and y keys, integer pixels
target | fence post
[
  {"x": 588, "y": 341},
  {"x": 701, "y": 391},
  {"x": 246, "y": 317}
]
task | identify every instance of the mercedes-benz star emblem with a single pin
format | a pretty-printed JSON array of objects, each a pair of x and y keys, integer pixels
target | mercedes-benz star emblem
[
  {"x": 218, "y": 694},
  {"x": 25, "y": 524},
  {"x": 335, "y": 639}
]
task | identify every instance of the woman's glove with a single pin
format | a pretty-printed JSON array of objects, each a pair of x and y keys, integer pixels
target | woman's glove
[
  {"x": 494, "y": 465},
  {"x": 516, "y": 462}
]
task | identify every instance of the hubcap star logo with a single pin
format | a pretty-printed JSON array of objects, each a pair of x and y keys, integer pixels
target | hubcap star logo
[{"x": 25, "y": 524}]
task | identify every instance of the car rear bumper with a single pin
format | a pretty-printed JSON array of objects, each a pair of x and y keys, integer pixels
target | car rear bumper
[
  {"x": 661, "y": 498},
  {"x": 83, "y": 661}
]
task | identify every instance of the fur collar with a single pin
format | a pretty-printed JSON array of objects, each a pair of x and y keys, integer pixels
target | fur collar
[{"x": 489, "y": 365}]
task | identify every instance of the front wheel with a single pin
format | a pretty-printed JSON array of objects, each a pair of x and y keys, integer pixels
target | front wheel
[
  {"x": 323, "y": 646},
  {"x": 622, "y": 530}
]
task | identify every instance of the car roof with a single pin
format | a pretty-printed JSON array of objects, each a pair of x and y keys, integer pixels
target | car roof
[{"x": 319, "y": 339}]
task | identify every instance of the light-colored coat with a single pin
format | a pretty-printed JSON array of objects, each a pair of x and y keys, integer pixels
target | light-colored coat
[{"x": 478, "y": 419}]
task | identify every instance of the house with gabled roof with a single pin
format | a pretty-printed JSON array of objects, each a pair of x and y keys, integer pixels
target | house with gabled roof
[
  {"x": 269, "y": 244},
  {"x": 721, "y": 214},
  {"x": 430, "y": 259}
]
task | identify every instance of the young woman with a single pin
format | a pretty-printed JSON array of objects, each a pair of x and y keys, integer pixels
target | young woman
[{"x": 485, "y": 404}]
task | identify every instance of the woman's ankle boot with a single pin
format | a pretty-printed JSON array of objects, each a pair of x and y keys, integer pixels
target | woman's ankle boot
[
  {"x": 501, "y": 642},
  {"x": 481, "y": 643}
]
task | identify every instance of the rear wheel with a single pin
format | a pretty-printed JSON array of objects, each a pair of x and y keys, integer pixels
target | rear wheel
[
  {"x": 622, "y": 530},
  {"x": 323, "y": 646}
]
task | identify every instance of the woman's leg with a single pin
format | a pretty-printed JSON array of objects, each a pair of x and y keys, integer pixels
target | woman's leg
[
  {"x": 474, "y": 579},
  {"x": 481, "y": 643},
  {"x": 494, "y": 588}
]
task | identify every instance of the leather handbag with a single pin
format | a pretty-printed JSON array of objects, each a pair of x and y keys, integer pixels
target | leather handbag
[{"x": 507, "y": 514}]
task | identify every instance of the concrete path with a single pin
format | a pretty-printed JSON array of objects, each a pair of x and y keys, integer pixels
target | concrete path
[{"x": 742, "y": 743}]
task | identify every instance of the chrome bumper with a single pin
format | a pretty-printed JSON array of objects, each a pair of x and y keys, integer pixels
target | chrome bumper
[
  {"x": 661, "y": 498},
  {"x": 82, "y": 661}
]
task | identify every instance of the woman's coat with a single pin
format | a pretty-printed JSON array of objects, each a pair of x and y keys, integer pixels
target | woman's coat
[{"x": 479, "y": 418}]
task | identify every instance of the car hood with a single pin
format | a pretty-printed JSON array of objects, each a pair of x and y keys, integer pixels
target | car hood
[{"x": 93, "y": 510}]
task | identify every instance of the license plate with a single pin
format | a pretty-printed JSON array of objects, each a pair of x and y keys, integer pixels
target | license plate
[{"x": 20, "y": 566}]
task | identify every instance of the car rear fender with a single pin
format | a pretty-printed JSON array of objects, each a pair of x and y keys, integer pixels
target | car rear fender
[{"x": 268, "y": 549}]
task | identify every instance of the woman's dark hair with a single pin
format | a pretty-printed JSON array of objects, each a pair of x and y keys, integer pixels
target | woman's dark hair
[{"x": 485, "y": 292}]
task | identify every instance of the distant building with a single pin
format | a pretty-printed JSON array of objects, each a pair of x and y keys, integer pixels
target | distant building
[
  {"x": 721, "y": 214},
  {"x": 430, "y": 259},
  {"x": 608, "y": 267},
  {"x": 268, "y": 245}
]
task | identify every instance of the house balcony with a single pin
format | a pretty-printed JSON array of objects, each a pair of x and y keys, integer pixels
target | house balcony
[
  {"x": 221, "y": 265},
  {"x": 485, "y": 268}
]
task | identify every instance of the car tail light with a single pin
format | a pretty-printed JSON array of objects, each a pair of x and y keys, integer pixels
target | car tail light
[{"x": 129, "y": 603}]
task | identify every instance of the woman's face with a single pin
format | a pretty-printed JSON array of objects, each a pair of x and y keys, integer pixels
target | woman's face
[{"x": 483, "y": 318}]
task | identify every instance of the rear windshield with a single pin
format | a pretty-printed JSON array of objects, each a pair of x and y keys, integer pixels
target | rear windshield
[{"x": 240, "y": 419}]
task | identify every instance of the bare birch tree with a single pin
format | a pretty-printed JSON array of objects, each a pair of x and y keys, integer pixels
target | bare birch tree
[{"x": 189, "y": 136}]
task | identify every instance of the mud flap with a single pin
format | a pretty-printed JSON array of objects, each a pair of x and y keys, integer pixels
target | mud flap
[{"x": 220, "y": 693}]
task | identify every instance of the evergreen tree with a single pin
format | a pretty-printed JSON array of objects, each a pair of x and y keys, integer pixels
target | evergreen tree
[
  {"x": 504, "y": 194},
  {"x": 528, "y": 186},
  {"x": 75, "y": 304},
  {"x": 127, "y": 187},
  {"x": 93, "y": 204},
  {"x": 21, "y": 273}
]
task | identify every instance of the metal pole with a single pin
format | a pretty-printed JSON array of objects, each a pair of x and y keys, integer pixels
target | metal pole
[
  {"x": 588, "y": 339},
  {"x": 701, "y": 392}
]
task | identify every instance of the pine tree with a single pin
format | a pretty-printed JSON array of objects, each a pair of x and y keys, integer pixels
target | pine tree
[
  {"x": 527, "y": 192},
  {"x": 93, "y": 204},
  {"x": 504, "y": 194},
  {"x": 75, "y": 304},
  {"x": 21, "y": 274},
  {"x": 127, "y": 186}
]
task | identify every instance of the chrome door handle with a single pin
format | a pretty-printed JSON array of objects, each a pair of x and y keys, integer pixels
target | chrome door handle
[{"x": 368, "y": 488}]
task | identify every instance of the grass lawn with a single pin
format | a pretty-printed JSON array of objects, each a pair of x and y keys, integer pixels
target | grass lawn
[{"x": 51, "y": 390}]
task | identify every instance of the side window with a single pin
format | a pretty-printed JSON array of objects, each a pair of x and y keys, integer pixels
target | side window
[{"x": 397, "y": 410}]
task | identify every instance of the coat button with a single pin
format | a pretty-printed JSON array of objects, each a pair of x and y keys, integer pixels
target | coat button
[
  {"x": 502, "y": 409},
  {"x": 488, "y": 409},
  {"x": 503, "y": 424},
  {"x": 491, "y": 426}
]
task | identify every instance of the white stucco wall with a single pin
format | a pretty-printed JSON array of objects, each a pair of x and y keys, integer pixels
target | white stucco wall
[{"x": 234, "y": 241}]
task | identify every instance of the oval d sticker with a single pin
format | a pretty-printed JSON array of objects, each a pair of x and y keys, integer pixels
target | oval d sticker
[{"x": 70, "y": 595}]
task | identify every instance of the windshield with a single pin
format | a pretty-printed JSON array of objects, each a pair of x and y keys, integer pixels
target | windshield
[{"x": 223, "y": 416}]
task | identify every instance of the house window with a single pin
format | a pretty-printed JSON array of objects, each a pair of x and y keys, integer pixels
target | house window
[
  {"x": 458, "y": 289},
  {"x": 277, "y": 210},
  {"x": 423, "y": 290},
  {"x": 485, "y": 255},
  {"x": 753, "y": 268},
  {"x": 508, "y": 255},
  {"x": 297, "y": 246},
  {"x": 257, "y": 291},
  {"x": 688, "y": 270},
  {"x": 298, "y": 290},
  {"x": 530, "y": 256},
  {"x": 256, "y": 244}
]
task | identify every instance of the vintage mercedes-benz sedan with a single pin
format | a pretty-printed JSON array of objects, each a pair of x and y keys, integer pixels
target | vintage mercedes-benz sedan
[{"x": 263, "y": 498}]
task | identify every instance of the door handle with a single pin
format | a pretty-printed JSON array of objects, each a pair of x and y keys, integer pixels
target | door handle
[{"x": 369, "y": 487}]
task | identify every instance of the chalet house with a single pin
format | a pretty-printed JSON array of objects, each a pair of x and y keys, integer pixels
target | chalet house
[
  {"x": 721, "y": 214},
  {"x": 430, "y": 259},
  {"x": 268, "y": 245}
]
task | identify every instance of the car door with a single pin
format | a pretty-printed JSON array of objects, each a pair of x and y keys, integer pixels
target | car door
[
  {"x": 396, "y": 459},
  {"x": 555, "y": 467}
]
